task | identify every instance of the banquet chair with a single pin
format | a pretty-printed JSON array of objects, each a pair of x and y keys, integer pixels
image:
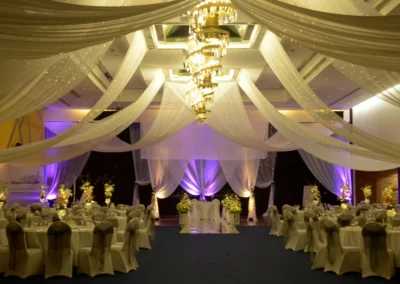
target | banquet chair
[
  {"x": 377, "y": 259},
  {"x": 59, "y": 260},
  {"x": 3, "y": 235},
  {"x": 277, "y": 223},
  {"x": 319, "y": 245},
  {"x": 4, "y": 256},
  {"x": 361, "y": 221},
  {"x": 130, "y": 209},
  {"x": 23, "y": 262},
  {"x": 216, "y": 210},
  {"x": 295, "y": 238},
  {"x": 97, "y": 259},
  {"x": 81, "y": 212},
  {"x": 381, "y": 218},
  {"x": 120, "y": 207},
  {"x": 310, "y": 244},
  {"x": 339, "y": 259},
  {"x": 362, "y": 210},
  {"x": 104, "y": 209},
  {"x": 149, "y": 222},
  {"x": 100, "y": 216},
  {"x": 344, "y": 220},
  {"x": 124, "y": 255},
  {"x": 114, "y": 221},
  {"x": 142, "y": 210}
]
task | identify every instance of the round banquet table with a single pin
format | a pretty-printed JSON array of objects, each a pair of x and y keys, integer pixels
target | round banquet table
[
  {"x": 352, "y": 236},
  {"x": 80, "y": 237}
]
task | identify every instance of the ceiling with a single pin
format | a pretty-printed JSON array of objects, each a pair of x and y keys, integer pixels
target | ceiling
[{"x": 166, "y": 42}]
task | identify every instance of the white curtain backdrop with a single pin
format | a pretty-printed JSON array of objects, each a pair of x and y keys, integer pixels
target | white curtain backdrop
[
  {"x": 203, "y": 178},
  {"x": 287, "y": 73},
  {"x": 33, "y": 33},
  {"x": 140, "y": 165},
  {"x": 365, "y": 40},
  {"x": 35, "y": 153},
  {"x": 307, "y": 138},
  {"x": 265, "y": 176}
]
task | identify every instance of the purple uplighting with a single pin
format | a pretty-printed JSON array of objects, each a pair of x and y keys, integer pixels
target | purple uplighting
[{"x": 203, "y": 178}]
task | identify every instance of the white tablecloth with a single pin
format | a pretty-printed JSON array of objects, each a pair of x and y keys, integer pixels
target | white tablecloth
[
  {"x": 352, "y": 236},
  {"x": 203, "y": 210},
  {"x": 80, "y": 237}
]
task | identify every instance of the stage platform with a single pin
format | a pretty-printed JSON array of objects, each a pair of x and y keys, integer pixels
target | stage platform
[{"x": 174, "y": 221}]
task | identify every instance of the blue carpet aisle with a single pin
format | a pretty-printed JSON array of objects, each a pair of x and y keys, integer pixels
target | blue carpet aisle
[{"x": 252, "y": 257}]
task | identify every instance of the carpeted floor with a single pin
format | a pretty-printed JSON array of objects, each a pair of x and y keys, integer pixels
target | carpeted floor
[{"x": 252, "y": 257}]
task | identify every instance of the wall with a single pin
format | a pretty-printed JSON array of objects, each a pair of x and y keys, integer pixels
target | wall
[
  {"x": 23, "y": 182},
  {"x": 380, "y": 119}
]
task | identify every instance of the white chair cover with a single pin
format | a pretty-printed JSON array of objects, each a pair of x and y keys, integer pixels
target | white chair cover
[
  {"x": 97, "y": 260},
  {"x": 377, "y": 259},
  {"x": 3, "y": 236},
  {"x": 114, "y": 221},
  {"x": 59, "y": 260},
  {"x": 216, "y": 210},
  {"x": 295, "y": 238},
  {"x": 23, "y": 262},
  {"x": 277, "y": 223},
  {"x": 319, "y": 245},
  {"x": 340, "y": 259},
  {"x": 124, "y": 255}
]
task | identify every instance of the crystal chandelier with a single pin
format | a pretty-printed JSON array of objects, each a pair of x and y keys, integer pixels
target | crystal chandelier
[{"x": 206, "y": 46}]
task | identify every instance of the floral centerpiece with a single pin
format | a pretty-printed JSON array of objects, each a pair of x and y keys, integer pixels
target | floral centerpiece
[
  {"x": 344, "y": 196},
  {"x": 388, "y": 195},
  {"x": 232, "y": 203},
  {"x": 62, "y": 200},
  {"x": 367, "y": 191},
  {"x": 87, "y": 192},
  {"x": 316, "y": 195},
  {"x": 184, "y": 205},
  {"x": 108, "y": 191},
  {"x": 43, "y": 193},
  {"x": 3, "y": 196}
]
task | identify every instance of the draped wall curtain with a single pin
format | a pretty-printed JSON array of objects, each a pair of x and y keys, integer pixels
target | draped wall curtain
[
  {"x": 140, "y": 165},
  {"x": 65, "y": 172},
  {"x": 203, "y": 178}
]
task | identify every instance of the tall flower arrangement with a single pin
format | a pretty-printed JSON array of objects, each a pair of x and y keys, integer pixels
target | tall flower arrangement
[
  {"x": 184, "y": 205},
  {"x": 316, "y": 195},
  {"x": 87, "y": 192},
  {"x": 232, "y": 203},
  {"x": 367, "y": 191},
  {"x": 43, "y": 193},
  {"x": 108, "y": 191},
  {"x": 3, "y": 195},
  {"x": 344, "y": 196},
  {"x": 388, "y": 195},
  {"x": 62, "y": 200}
]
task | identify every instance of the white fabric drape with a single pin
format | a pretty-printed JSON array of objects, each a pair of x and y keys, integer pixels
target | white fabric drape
[
  {"x": 140, "y": 165},
  {"x": 366, "y": 40},
  {"x": 332, "y": 177},
  {"x": 24, "y": 154},
  {"x": 287, "y": 73},
  {"x": 165, "y": 176},
  {"x": 265, "y": 176},
  {"x": 374, "y": 81},
  {"x": 66, "y": 172},
  {"x": 37, "y": 29},
  {"x": 203, "y": 178},
  {"x": 306, "y": 138}
]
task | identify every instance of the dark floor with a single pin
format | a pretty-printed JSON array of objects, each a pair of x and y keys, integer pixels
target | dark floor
[{"x": 251, "y": 257}]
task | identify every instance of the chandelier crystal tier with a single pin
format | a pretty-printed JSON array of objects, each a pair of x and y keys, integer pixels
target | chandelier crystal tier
[{"x": 206, "y": 46}]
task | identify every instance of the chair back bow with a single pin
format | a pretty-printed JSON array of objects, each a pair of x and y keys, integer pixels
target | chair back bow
[
  {"x": 59, "y": 239},
  {"x": 333, "y": 241},
  {"x": 374, "y": 236},
  {"x": 308, "y": 217},
  {"x": 344, "y": 220},
  {"x": 287, "y": 224},
  {"x": 16, "y": 242},
  {"x": 130, "y": 244},
  {"x": 102, "y": 237}
]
